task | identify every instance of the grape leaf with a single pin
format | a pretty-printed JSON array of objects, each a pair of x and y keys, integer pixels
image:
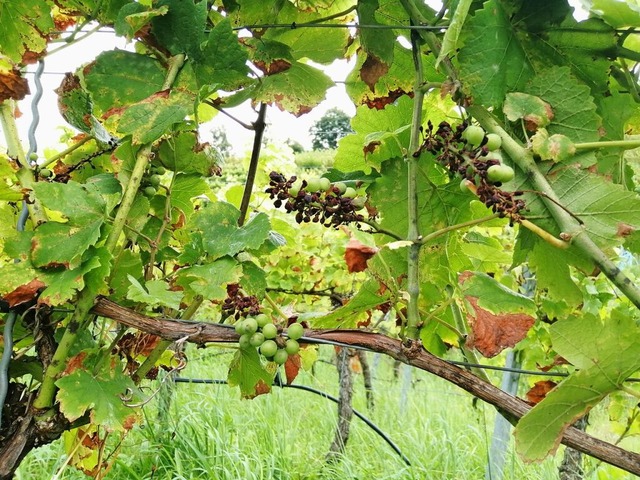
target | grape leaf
[
  {"x": 358, "y": 308},
  {"x": 615, "y": 110},
  {"x": 396, "y": 82},
  {"x": 495, "y": 297},
  {"x": 127, "y": 263},
  {"x": 151, "y": 118},
  {"x": 246, "y": 372},
  {"x": 609, "y": 211},
  {"x": 118, "y": 78},
  {"x": 377, "y": 43},
  {"x": 439, "y": 205},
  {"x": 184, "y": 153},
  {"x": 379, "y": 135},
  {"x": 535, "y": 112},
  {"x": 156, "y": 293},
  {"x": 64, "y": 284},
  {"x": 492, "y": 62},
  {"x": 25, "y": 26},
  {"x": 553, "y": 273},
  {"x": 585, "y": 47},
  {"x": 223, "y": 60},
  {"x": 63, "y": 244},
  {"x": 296, "y": 90},
  {"x": 12, "y": 84},
  {"x": 100, "y": 394},
  {"x": 181, "y": 30},
  {"x": 185, "y": 187},
  {"x": 214, "y": 231},
  {"x": 574, "y": 111},
  {"x": 608, "y": 352},
  {"x": 615, "y": 13},
  {"x": 134, "y": 16},
  {"x": 319, "y": 45},
  {"x": 210, "y": 280}
]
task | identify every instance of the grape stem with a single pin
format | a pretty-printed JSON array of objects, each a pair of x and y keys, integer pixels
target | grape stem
[
  {"x": 624, "y": 144},
  {"x": 413, "y": 235}
]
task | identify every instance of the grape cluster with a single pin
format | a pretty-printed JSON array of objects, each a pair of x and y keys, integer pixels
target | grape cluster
[
  {"x": 468, "y": 151},
  {"x": 238, "y": 305},
  {"x": 316, "y": 200},
  {"x": 261, "y": 333},
  {"x": 151, "y": 181}
]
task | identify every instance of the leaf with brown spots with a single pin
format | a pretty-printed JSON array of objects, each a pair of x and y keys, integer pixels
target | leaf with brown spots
[
  {"x": 12, "y": 85},
  {"x": 24, "y": 293},
  {"x": 624, "y": 230},
  {"x": 356, "y": 255},
  {"x": 371, "y": 71},
  {"x": 539, "y": 390}
]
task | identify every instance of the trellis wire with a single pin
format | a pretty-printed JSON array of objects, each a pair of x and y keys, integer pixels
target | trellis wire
[{"x": 22, "y": 220}]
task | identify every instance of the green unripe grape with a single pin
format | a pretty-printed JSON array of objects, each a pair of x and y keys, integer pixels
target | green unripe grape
[
  {"x": 474, "y": 135},
  {"x": 270, "y": 331},
  {"x": 256, "y": 339},
  {"x": 33, "y": 156},
  {"x": 295, "y": 331},
  {"x": 495, "y": 155},
  {"x": 464, "y": 186},
  {"x": 313, "y": 184},
  {"x": 292, "y": 347},
  {"x": 359, "y": 202},
  {"x": 158, "y": 170},
  {"x": 245, "y": 341},
  {"x": 280, "y": 356},
  {"x": 239, "y": 326},
  {"x": 341, "y": 187},
  {"x": 295, "y": 188},
  {"x": 154, "y": 180},
  {"x": 325, "y": 184},
  {"x": 494, "y": 142},
  {"x": 46, "y": 173},
  {"x": 500, "y": 173},
  {"x": 250, "y": 326},
  {"x": 350, "y": 193},
  {"x": 149, "y": 191},
  {"x": 262, "y": 320},
  {"x": 269, "y": 348}
]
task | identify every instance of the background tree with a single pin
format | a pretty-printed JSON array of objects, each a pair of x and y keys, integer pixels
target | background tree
[
  {"x": 331, "y": 127},
  {"x": 220, "y": 141}
]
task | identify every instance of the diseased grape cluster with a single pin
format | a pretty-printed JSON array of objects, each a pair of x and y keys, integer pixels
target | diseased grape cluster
[
  {"x": 467, "y": 151},
  {"x": 261, "y": 333},
  {"x": 237, "y": 305},
  {"x": 316, "y": 200}
]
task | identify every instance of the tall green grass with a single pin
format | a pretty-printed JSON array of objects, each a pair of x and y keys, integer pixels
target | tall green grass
[{"x": 212, "y": 433}]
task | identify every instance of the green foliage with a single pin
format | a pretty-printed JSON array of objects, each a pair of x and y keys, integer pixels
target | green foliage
[{"x": 158, "y": 222}]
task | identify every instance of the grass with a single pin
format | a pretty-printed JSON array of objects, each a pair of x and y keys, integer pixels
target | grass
[{"x": 211, "y": 433}]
